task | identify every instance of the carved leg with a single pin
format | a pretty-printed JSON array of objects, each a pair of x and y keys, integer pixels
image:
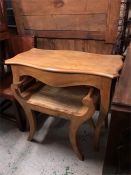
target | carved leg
[
  {"x": 74, "y": 126},
  {"x": 28, "y": 111},
  {"x": 104, "y": 108},
  {"x": 32, "y": 122},
  {"x": 19, "y": 117}
]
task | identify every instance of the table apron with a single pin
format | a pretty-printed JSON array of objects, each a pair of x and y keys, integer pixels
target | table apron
[{"x": 57, "y": 79}]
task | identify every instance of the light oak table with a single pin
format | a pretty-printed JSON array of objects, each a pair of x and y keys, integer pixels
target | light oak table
[{"x": 62, "y": 68}]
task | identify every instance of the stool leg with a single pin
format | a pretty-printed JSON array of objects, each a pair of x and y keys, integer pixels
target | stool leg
[
  {"x": 19, "y": 118},
  {"x": 74, "y": 126},
  {"x": 32, "y": 123}
]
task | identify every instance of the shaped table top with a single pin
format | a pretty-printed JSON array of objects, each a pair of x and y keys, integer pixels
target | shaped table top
[{"x": 70, "y": 62}]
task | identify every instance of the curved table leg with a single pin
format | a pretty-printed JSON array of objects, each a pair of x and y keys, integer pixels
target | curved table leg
[
  {"x": 29, "y": 113},
  {"x": 74, "y": 126},
  {"x": 104, "y": 108},
  {"x": 32, "y": 123}
]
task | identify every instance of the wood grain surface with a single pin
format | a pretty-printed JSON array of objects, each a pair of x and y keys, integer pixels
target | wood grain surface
[
  {"x": 61, "y": 7},
  {"x": 70, "y": 62},
  {"x": 90, "y": 16}
]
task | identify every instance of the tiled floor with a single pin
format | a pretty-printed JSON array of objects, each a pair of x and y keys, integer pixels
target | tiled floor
[{"x": 52, "y": 157}]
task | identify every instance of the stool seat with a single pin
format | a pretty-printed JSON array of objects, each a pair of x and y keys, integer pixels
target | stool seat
[
  {"x": 68, "y": 100},
  {"x": 74, "y": 103}
]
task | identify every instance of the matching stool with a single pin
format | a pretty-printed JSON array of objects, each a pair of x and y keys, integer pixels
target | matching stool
[{"x": 76, "y": 103}]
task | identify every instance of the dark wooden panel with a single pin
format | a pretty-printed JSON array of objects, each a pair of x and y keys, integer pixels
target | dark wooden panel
[
  {"x": 117, "y": 157},
  {"x": 92, "y": 46},
  {"x": 4, "y": 35},
  {"x": 117, "y": 162},
  {"x": 112, "y": 20},
  {"x": 66, "y": 34},
  {"x": 18, "y": 44},
  {"x": 123, "y": 88}
]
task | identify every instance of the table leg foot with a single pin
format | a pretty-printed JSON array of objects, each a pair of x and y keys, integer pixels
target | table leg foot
[
  {"x": 32, "y": 123},
  {"x": 74, "y": 126}
]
